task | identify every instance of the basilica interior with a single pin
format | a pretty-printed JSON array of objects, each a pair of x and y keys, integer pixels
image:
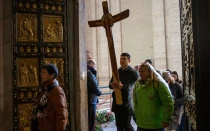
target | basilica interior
[{"x": 174, "y": 34}]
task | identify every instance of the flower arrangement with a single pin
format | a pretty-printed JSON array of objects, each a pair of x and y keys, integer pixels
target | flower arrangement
[{"x": 101, "y": 118}]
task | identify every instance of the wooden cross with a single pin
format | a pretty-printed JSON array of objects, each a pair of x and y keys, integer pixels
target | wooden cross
[{"x": 107, "y": 21}]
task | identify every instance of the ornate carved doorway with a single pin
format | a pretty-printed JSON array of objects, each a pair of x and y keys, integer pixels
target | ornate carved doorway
[
  {"x": 196, "y": 52},
  {"x": 188, "y": 62},
  {"x": 39, "y": 37}
]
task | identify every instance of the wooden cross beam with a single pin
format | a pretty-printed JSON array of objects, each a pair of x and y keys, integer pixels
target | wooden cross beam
[{"x": 107, "y": 21}]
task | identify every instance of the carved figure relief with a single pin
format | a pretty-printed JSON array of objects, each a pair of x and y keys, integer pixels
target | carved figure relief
[
  {"x": 29, "y": 95},
  {"x": 21, "y": 49},
  {"x": 61, "y": 70},
  {"x": 59, "y": 63},
  {"x": 27, "y": 72},
  {"x": 60, "y": 49},
  {"x": 59, "y": 28},
  {"x": 24, "y": 75},
  {"x": 21, "y": 95},
  {"x": 34, "y": 72},
  {"x": 35, "y": 49},
  {"x": 53, "y": 49},
  {"x": 28, "y": 49},
  {"x": 30, "y": 46},
  {"x": 27, "y": 27},
  {"x": 25, "y": 117},
  {"x": 53, "y": 28}
]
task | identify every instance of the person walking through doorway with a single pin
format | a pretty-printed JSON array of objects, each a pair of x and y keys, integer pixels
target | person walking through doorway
[
  {"x": 153, "y": 104},
  {"x": 50, "y": 111},
  {"x": 128, "y": 76}
]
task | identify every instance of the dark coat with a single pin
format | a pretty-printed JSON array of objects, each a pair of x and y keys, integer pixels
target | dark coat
[
  {"x": 177, "y": 92},
  {"x": 92, "y": 84},
  {"x": 128, "y": 77}
]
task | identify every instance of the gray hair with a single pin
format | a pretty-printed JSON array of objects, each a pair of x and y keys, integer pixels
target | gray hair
[{"x": 91, "y": 61}]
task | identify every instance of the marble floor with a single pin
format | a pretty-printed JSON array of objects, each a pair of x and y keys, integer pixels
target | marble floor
[{"x": 111, "y": 126}]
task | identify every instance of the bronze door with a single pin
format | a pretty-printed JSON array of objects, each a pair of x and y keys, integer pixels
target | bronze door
[
  {"x": 39, "y": 37},
  {"x": 188, "y": 62}
]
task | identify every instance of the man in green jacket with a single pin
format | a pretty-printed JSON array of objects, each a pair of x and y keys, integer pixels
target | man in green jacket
[{"x": 153, "y": 104}]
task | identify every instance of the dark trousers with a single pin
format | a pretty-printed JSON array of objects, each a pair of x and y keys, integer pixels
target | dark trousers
[
  {"x": 123, "y": 122},
  {"x": 34, "y": 125},
  {"x": 91, "y": 116},
  {"x": 182, "y": 124},
  {"x": 141, "y": 129}
]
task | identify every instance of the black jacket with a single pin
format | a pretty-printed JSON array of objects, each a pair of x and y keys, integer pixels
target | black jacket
[
  {"x": 92, "y": 84},
  {"x": 177, "y": 92},
  {"x": 128, "y": 77}
]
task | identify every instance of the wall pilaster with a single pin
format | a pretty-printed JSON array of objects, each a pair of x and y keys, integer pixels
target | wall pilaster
[
  {"x": 6, "y": 66},
  {"x": 173, "y": 37},
  {"x": 1, "y": 58},
  {"x": 159, "y": 38}
]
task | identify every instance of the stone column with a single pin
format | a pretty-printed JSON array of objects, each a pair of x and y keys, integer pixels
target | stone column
[
  {"x": 91, "y": 32},
  {"x": 159, "y": 35},
  {"x": 6, "y": 114},
  {"x": 79, "y": 65},
  {"x": 1, "y": 58},
  {"x": 102, "y": 48},
  {"x": 137, "y": 35},
  {"x": 173, "y": 37},
  {"x": 115, "y": 8}
]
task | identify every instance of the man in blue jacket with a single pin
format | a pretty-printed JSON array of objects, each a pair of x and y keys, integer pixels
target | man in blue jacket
[{"x": 93, "y": 92}]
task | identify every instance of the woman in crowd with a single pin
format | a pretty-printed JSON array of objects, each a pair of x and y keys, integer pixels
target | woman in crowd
[
  {"x": 181, "y": 127},
  {"x": 174, "y": 74},
  {"x": 177, "y": 93},
  {"x": 153, "y": 103}
]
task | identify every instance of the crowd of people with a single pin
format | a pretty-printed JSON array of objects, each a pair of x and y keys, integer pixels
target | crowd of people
[{"x": 153, "y": 99}]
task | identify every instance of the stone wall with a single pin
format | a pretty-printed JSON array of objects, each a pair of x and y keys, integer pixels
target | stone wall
[
  {"x": 97, "y": 41},
  {"x": 159, "y": 34},
  {"x": 6, "y": 66},
  {"x": 173, "y": 36},
  {"x": 80, "y": 68},
  {"x": 1, "y": 58},
  {"x": 137, "y": 31},
  {"x": 166, "y": 35},
  {"x": 132, "y": 35},
  {"x": 151, "y": 31}
]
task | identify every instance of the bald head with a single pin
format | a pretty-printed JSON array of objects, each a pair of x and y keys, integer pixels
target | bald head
[{"x": 91, "y": 63}]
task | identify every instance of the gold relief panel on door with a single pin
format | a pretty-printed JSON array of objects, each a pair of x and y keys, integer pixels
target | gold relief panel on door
[
  {"x": 25, "y": 115},
  {"x": 27, "y": 27},
  {"x": 59, "y": 63},
  {"x": 27, "y": 72},
  {"x": 52, "y": 28}
]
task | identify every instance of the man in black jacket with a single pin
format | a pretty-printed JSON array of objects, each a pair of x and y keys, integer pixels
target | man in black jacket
[
  {"x": 128, "y": 76},
  {"x": 93, "y": 92}
]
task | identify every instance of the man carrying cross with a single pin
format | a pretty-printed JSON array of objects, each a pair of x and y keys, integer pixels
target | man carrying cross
[
  {"x": 122, "y": 79},
  {"x": 128, "y": 77}
]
